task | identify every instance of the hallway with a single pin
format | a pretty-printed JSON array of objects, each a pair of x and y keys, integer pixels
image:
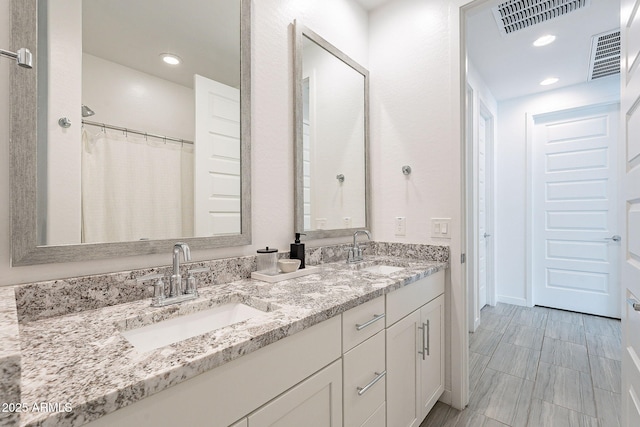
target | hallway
[{"x": 539, "y": 367}]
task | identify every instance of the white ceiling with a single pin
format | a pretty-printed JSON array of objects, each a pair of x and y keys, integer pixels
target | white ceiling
[
  {"x": 204, "y": 34},
  {"x": 511, "y": 66},
  {"x": 371, "y": 4}
]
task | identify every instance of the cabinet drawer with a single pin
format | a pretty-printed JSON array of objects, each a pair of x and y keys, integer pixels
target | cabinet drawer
[
  {"x": 362, "y": 365},
  {"x": 362, "y": 322},
  {"x": 411, "y": 297},
  {"x": 378, "y": 419}
]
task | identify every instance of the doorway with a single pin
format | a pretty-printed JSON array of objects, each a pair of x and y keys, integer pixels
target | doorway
[
  {"x": 575, "y": 246},
  {"x": 486, "y": 290},
  {"x": 481, "y": 131}
]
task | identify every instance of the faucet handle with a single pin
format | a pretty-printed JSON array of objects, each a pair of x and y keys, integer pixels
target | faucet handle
[
  {"x": 192, "y": 286},
  {"x": 158, "y": 286}
]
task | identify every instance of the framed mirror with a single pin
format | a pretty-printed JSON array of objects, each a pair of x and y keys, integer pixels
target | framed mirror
[
  {"x": 331, "y": 119},
  {"x": 133, "y": 129}
]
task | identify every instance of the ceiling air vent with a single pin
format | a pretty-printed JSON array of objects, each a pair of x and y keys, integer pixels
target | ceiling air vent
[
  {"x": 605, "y": 55},
  {"x": 514, "y": 15}
]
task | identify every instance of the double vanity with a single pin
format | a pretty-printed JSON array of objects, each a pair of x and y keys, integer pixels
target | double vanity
[
  {"x": 343, "y": 346},
  {"x": 353, "y": 344}
]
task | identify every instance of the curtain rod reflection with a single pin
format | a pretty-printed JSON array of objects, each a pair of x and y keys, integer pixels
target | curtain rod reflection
[{"x": 137, "y": 132}]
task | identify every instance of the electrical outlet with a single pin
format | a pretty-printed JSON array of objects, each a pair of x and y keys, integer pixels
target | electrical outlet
[
  {"x": 346, "y": 222},
  {"x": 401, "y": 226}
]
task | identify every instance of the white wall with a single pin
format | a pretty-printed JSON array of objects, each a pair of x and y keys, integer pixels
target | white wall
[
  {"x": 511, "y": 176},
  {"x": 341, "y": 22},
  {"x": 125, "y": 97},
  {"x": 415, "y": 121}
]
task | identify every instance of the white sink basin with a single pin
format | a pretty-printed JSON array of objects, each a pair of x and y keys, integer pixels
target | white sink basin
[
  {"x": 170, "y": 331},
  {"x": 382, "y": 269}
]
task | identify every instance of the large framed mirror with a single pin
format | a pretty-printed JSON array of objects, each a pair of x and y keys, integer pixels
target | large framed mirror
[
  {"x": 133, "y": 129},
  {"x": 331, "y": 120}
]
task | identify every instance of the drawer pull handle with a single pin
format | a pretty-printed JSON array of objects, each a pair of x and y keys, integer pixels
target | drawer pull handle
[
  {"x": 379, "y": 376},
  {"x": 376, "y": 317},
  {"x": 634, "y": 303}
]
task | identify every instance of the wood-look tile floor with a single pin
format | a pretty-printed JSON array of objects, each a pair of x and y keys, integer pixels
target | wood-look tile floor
[{"x": 539, "y": 367}]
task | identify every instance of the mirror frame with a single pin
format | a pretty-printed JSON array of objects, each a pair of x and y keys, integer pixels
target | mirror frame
[
  {"x": 300, "y": 31},
  {"x": 23, "y": 161}
]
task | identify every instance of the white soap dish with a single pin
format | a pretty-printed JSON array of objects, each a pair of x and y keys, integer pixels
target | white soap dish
[{"x": 309, "y": 269}]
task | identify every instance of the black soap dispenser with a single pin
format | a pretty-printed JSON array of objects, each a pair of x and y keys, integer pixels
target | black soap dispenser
[{"x": 297, "y": 250}]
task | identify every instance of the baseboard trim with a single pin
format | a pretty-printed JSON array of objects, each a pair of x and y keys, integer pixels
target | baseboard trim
[
  {"x": 446, "y": 397},
  {"x": 513, "y": 300}
]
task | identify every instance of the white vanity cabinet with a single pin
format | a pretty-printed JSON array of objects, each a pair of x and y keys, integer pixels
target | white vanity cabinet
[
  {"x": 231, "y": 392},
  {"x": 378, "y": 364},
  {"x": 316, "y": 402},
  {"x": 415, "y": 350},
  {"x": 364, "y": 364}
]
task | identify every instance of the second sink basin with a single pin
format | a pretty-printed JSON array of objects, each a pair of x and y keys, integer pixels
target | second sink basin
[
  {"x": 382, "y": 269},
  {"x": 174, "y": 330}
]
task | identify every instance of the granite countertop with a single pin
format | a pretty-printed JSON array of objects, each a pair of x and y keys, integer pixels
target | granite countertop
[{"x": 81, "y": 361}]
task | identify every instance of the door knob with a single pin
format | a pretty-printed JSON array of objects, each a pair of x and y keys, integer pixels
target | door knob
[
  {"x": 615, "y": 238},
  {"x": 634, "y": 303},
  {"x": 486, "y": 235}
]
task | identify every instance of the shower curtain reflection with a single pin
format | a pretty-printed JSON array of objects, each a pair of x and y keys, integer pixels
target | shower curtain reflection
[{"x": 135, "y": 188}]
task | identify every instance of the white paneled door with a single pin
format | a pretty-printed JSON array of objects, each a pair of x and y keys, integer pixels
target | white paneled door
[
  {"x": 630, "y": 207},
  {"x": 216, "y": 159},
  {"x": 575, "y": 224}
]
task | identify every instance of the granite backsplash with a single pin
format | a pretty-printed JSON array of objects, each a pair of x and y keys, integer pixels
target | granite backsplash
[{"x": 41, "y": 300}]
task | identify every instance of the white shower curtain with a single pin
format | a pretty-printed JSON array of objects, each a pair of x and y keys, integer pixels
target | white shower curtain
[{"x": 131, "y": 187}]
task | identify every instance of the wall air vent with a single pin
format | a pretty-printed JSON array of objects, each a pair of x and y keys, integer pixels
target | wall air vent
[
  {"x": 605, "y": 55},
  {"x": 514, "y": 15}
]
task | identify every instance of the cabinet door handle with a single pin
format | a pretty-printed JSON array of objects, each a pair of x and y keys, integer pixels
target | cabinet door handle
[
  {"x": 425, "y": 341},
  {"x": 634, "y": 303},
  {"x": 376, "y": 317},
  {"x": 424, "y": 351},
  {"x": 379, "y": 376},
  {"x": 428, "y": 339}
]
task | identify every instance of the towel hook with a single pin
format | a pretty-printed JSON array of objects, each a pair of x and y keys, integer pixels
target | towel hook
[
  {"x": 23, "y": 57},
  {"x": 64, "y": 122}
]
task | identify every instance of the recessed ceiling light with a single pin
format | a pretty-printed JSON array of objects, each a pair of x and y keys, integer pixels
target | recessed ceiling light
[
  {"x": 170, "y": 58},
  {"x": 544, "y": 40},
  {"x": 549, "y": 81}
]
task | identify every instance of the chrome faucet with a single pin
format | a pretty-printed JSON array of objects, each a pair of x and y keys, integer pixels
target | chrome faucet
[
  {"x": 175, "y": 286},
  {"x": 355, "y": 253},
  {"x": 176, "y": 293}
]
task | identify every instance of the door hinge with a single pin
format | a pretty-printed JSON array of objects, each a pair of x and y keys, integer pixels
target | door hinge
[{"x": 463, "y": 258}]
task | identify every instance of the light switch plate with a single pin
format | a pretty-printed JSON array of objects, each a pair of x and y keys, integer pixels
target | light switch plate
[{"x": 441, "y": 228}]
